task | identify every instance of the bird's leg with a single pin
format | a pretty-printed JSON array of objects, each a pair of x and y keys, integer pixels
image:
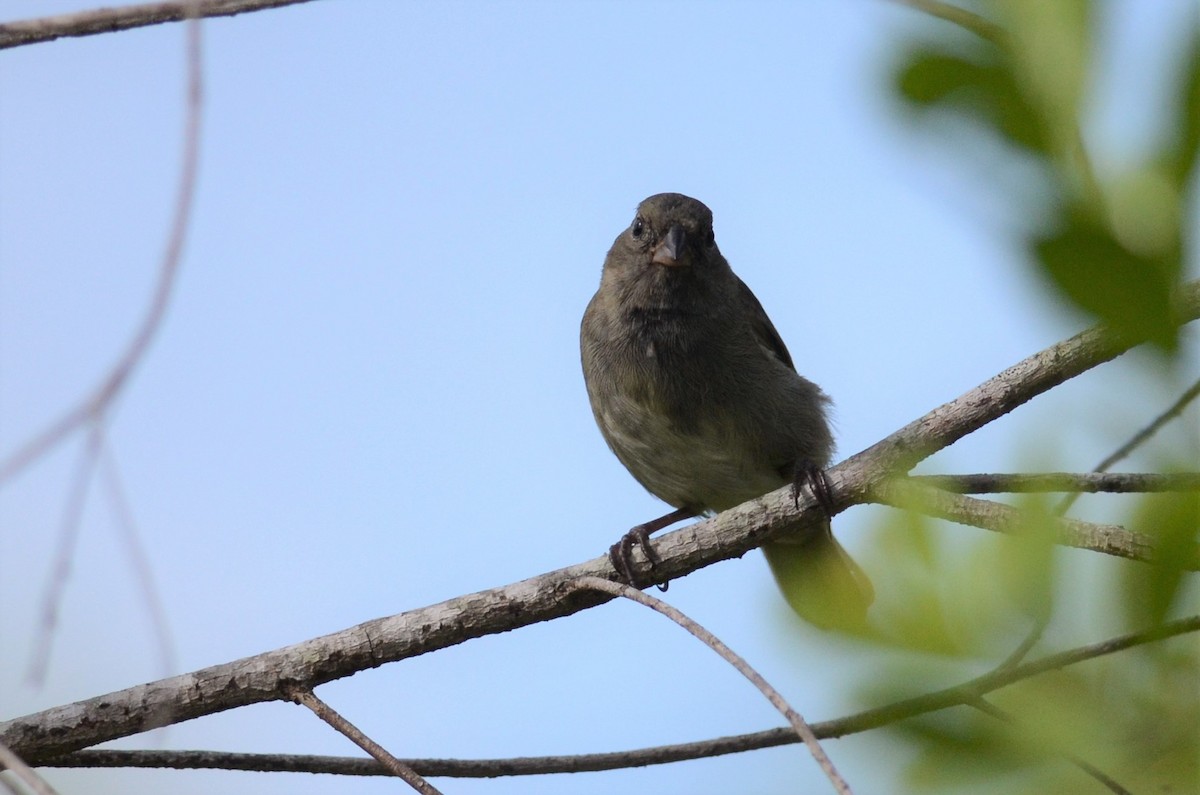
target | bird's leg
[
  {"x": 621, "y": 553},
  {"x": 811, "y": 475}
]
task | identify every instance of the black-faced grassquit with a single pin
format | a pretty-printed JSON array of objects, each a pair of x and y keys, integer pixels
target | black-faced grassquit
[{"x": 695, "y": 392}]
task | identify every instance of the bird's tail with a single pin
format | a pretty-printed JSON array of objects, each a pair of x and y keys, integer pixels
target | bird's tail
[{"x": 821, "y": 582}]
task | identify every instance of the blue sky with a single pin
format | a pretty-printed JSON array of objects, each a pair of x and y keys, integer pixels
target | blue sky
[{"x": 366, "y": 396}]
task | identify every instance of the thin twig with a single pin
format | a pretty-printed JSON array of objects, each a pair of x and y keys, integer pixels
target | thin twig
[
  {"x": 14, "y": 763},
  {"x": 142, "y": 568},
  {"x": 1135, "y": 441},
  {"x": 1138, "y": 439},
  {"x": 887, "y": 714},
  {"x": 1091, "y": 482},
  {"x": 109, "y": 20},
  {"x": 1026, "y": 645},
  {"x": 965, "y": 19},
  {"x": 95, "y": 407},
  {"x": 803, "y": 730},
  {"x": 64, "y": 554},
  {"x": 356, "y": 736}
]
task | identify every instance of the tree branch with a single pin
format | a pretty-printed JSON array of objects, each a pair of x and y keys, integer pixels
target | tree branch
[
  {"x": 1139, "y": 438},
  {"x": 988, "y": 515},
  {"x": 271, "y": 676},
  {"x": 110, "y": 20},
  {"x": 1092, "y": 482},
  {"x": 391, "y": 764},
  {"x": 867, "y": 720}
]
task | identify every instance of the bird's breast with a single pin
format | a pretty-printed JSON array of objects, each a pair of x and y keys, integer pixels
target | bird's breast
[{"x": 698, "y": 464}]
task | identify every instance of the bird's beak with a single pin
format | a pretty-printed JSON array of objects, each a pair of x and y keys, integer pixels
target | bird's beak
[{"x": 668, "y": 251}]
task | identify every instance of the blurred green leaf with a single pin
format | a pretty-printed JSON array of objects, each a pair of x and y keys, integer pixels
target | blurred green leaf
[
  {"x": 964, "y": 750},
  {"x": 912, "y": 615},
  {"x": 929, "y": 77},
  {"x": 981, "y": 90},
  {"x": 1159, "y": 729},
  {"x": 1132, "y": 716},
  {"x": 1174, "y": 522},
  {"x": 1050, "y": 46},
  {"x": 1187, "y": 142},
  {"x": 1024, "y": 564},
  {"x": 1129, "y": 292},
  {"x": 1144, "y": 205}
]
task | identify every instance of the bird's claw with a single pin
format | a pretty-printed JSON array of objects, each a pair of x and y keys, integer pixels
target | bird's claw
[
  {"x": 818, "y": 483},
  {"x": 621, "y": 555}
]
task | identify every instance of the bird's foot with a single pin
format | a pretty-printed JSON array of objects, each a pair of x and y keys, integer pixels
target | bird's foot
[
  {"x": 817, "y": 481},
  {"x": 621, "y": 553}
]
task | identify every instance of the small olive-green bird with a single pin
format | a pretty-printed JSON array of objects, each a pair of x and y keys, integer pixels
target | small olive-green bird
[{"x": 696, "y": 394}]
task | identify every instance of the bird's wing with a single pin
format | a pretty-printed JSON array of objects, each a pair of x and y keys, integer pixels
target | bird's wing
[{"x": 767, "y": 336}]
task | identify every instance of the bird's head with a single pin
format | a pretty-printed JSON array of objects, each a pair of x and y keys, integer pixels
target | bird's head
[{"x": 668, "y": 245}]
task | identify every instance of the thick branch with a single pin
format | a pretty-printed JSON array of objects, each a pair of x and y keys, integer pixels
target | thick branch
[
  {"x": 109, "y": 20},
  {"x": 957, "y": 695},
  {"x": 272, "y": 675}
]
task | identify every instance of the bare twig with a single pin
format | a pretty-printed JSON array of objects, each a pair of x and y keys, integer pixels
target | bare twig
[
  {"x": 1135, "y": 441},
  {"x": 109, "y": 20},
  {"x": 1112, "y": 482},
  {"x": 965, "y": 19},
  {"x": 393, "y": 765},
  {"x": 1138, "y": 439},
  {"x": 14, "y": 763},
  {"x": 142, "y": 568},
  {"x": 95, "y": 407},
  {"x": 1109, "y": 539},
  {"x": 93, "y": 411},
  {"x": 730, "y": 534},
  {"x": 1026, "y": 645},
  {"x": 957, "y": 695},
  {"x": 803, "y": 731},
  {"x": 64, "y": 553}
]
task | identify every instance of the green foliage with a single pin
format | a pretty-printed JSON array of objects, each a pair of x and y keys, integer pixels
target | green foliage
[
  {"x": 953, "y": 604},
  {"x": 1093, "y": 269},
  {"x": 1110, "y": 247},
  {"x": 1183, "y": 148},
  {"x": 1173, "y": 520},
  {"x": 982, "y": 88}
]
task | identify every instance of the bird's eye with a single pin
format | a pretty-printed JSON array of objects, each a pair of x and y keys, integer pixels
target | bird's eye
[
  {"x": 638, "y": 227},
  {"x": 709, "y": 239}
]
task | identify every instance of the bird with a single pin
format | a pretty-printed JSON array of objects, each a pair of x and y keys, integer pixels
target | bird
[{"x": 698, "y": 397}]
